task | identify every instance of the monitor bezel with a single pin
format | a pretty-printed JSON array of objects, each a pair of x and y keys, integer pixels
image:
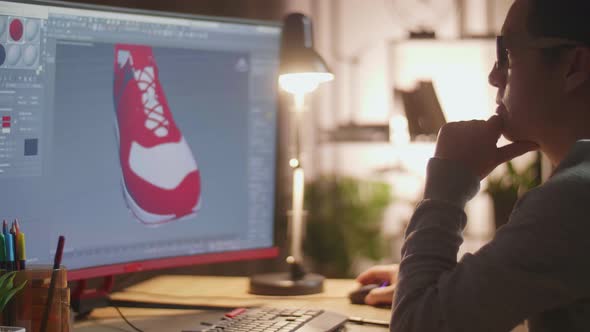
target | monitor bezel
[
  {"x": 188, "y": 260},
  {"x": 148, "y": 12}
]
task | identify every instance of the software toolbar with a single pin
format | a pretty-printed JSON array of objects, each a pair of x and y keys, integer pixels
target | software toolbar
[{"x": 22, "y": 43}]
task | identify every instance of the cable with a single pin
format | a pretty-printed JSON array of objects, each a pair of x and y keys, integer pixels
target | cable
[{"x": 126, "y": 321}]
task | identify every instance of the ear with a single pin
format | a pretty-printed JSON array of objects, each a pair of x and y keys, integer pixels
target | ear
[{"x": 579, "y": 69}]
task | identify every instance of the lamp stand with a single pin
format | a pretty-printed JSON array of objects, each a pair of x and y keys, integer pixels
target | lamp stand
[{"x": 296, "y": 281}]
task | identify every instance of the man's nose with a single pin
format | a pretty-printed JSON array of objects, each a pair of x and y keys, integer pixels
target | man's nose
[{"x": 497, "y": 77}]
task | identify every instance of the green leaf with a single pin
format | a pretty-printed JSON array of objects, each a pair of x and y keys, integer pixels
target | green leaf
[
  {"x": 511, "y": 170},
  {"x": 6, "y": 298},
  {"x": 5, "y": 276},
  {"x": 10, "y": 280}
]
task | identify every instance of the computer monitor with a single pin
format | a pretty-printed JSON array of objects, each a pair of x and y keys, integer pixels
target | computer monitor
[{"x": 147, "y": 139}]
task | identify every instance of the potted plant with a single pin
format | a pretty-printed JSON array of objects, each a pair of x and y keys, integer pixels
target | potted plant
[
  {"x": 507, "y": 188},
  {"x": 7, "y": 291},
  {"x": 344, "y": 223}
]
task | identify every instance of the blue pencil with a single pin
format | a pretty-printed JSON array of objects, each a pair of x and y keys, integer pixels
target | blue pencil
[{"x": 9, "y": 252}]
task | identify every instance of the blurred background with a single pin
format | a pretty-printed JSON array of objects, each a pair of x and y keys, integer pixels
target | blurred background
[{"x": 402, "y": 68}]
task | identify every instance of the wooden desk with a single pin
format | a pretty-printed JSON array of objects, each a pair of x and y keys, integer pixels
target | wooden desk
[{"x": 223, "y": 291}]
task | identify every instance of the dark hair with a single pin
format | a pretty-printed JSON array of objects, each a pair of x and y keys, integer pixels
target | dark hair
[{"x": 569, "y": 19}]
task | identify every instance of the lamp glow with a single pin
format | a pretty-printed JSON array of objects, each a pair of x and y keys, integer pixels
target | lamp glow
[
  {"x": 294, "y": 163},
  {"x": 302, "y": 83}
]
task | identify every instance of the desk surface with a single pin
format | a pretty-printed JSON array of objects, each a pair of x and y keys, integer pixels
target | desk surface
[{"x": 222, "y": 291}]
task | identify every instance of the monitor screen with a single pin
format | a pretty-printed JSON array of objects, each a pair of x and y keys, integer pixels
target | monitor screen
[{"x": 147, "y": 140}]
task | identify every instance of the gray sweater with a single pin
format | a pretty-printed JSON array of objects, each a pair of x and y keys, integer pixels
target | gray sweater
[{"x": 537, "y": 267}]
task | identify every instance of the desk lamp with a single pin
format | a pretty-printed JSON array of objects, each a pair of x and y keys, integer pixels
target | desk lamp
[{"x": 301, "y": 71}]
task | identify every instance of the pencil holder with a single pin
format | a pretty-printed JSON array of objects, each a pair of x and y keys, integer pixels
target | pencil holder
[{"x": 28, "y": 306}]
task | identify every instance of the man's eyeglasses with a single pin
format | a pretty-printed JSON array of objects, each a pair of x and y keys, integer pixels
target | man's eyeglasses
[{"x": 502, "y": 46}]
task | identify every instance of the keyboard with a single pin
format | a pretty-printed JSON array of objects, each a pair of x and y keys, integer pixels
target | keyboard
[{"x": 273, "y": 320}]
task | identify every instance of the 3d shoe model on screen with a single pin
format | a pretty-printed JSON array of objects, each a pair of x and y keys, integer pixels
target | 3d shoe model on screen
[{"x": 161, "y": 180}]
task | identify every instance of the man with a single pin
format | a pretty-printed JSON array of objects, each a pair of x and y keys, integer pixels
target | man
[{"x": 537, "y": 267}]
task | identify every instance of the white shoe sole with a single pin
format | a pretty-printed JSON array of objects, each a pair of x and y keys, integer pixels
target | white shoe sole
[{"x": 151, "y": 219}]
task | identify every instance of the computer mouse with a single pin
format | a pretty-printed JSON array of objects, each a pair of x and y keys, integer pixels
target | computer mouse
[{"x": 358, "y": 296}]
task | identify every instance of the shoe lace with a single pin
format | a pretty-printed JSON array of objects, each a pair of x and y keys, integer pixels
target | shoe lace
[{"x": 156, "y": 120}]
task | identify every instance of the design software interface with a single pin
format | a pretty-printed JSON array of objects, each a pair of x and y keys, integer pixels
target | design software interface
[{"x": 136, "y": 136}]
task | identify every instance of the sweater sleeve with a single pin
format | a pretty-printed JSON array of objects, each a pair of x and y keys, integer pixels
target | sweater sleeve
[{"x": 528, "y": 268}]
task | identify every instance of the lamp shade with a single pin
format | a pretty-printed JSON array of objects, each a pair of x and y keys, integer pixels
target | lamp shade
[{"x": 300, "y": 64}]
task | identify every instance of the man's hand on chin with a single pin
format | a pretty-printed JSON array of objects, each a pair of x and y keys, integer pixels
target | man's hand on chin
[{"x": 473, "y": 143}]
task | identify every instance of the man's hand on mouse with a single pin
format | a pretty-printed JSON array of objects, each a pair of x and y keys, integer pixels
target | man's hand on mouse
[
  {"x": 378, "y": 275},
  {"x": 473, "y": 143}
]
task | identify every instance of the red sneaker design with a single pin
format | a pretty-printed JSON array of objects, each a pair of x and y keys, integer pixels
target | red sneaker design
[{"x": 161, "y": 180}]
